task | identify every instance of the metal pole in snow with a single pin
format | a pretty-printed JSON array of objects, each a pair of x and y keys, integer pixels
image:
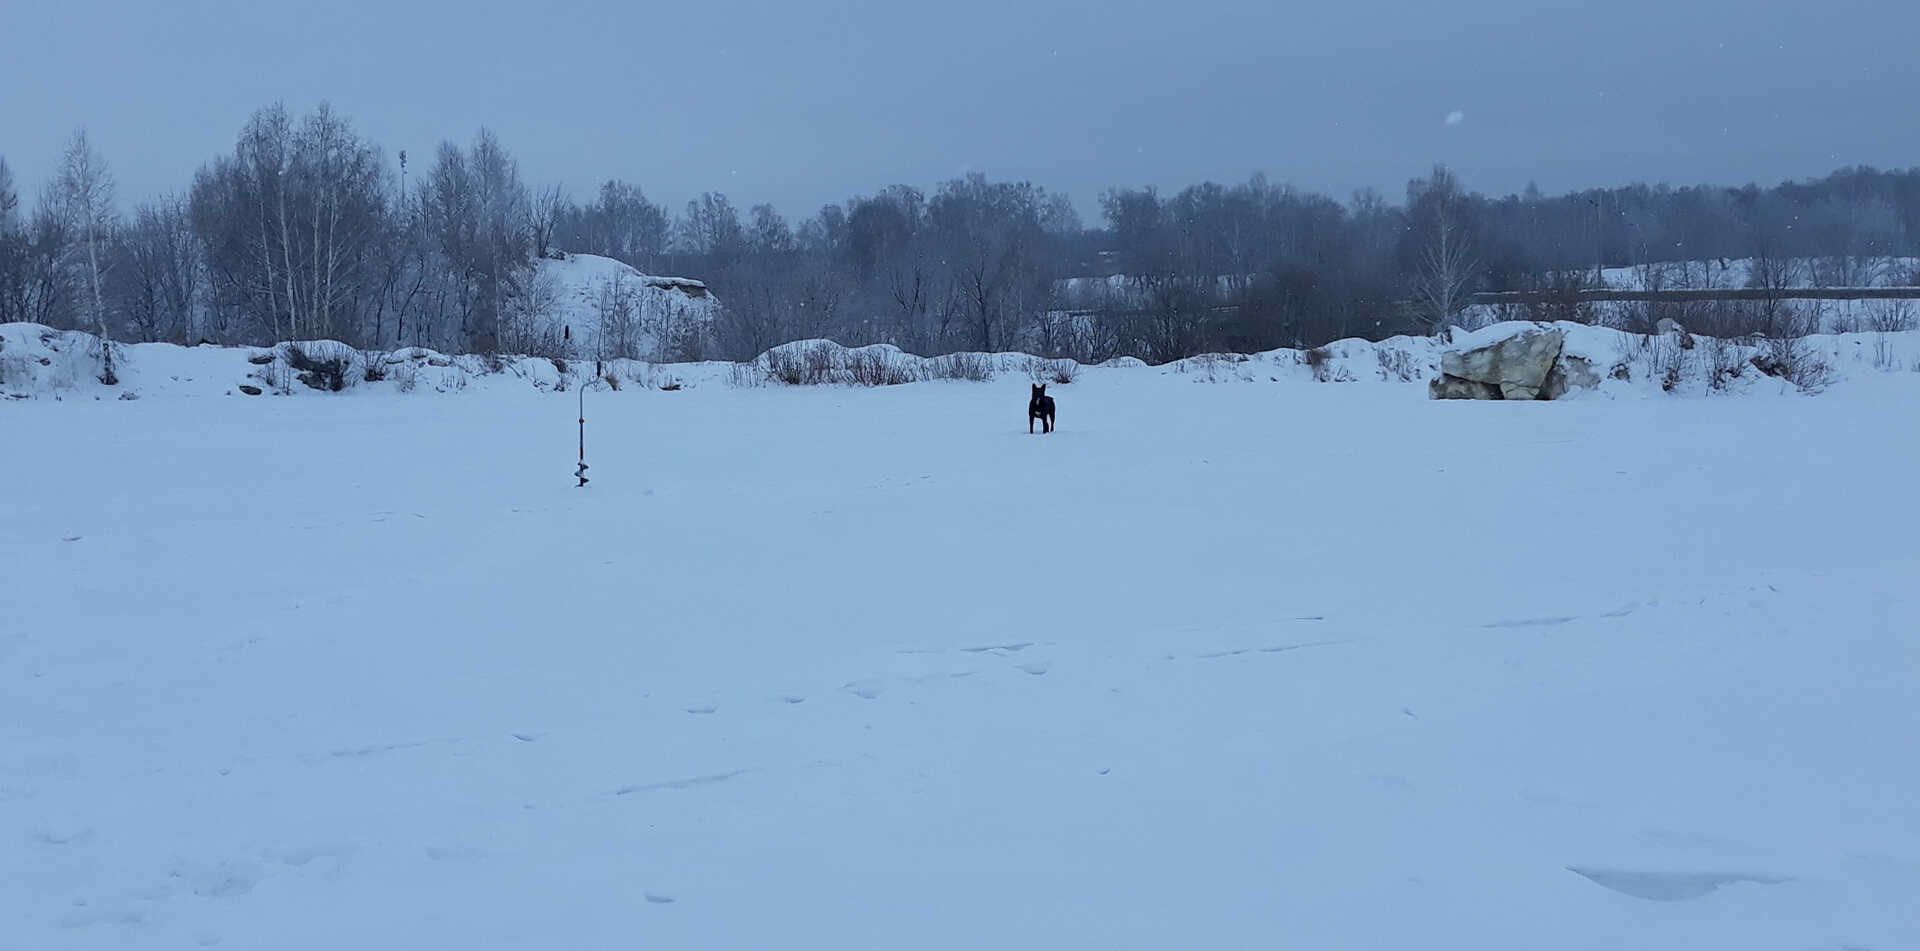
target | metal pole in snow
[{"x": 581, "y": 473}]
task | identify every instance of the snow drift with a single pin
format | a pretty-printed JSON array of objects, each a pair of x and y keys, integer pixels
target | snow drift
[{"x": 37, "y": 362}]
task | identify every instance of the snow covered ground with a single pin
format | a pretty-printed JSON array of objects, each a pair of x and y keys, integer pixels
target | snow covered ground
[
  {"x": 1738, "y": 272},
  {"x": 37, "y": 362},
  {"x": 1213, "y": 666}
]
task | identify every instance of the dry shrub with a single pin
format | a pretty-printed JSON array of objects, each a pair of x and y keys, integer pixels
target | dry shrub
[
  {"x": 973, "y": 367},
  {"x": 877, "y": 367},
  {"x": 1319, "y": 360}
]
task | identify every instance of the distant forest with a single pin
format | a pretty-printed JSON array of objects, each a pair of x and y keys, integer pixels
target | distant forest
[{"x": 303, "y": 230}]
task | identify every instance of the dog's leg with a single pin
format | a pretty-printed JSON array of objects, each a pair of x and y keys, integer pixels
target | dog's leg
[{"x": 1029, "y": 424}]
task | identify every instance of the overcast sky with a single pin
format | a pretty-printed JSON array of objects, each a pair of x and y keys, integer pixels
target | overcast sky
[{"x": 800, "y": 102}]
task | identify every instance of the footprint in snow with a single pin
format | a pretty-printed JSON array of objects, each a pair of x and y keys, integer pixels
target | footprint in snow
[
  {"x": 225, "y": 879},
  {"x": 703, "y": 708},
  {"x": 527, "y": 737},
  {"x": 1283, "y": 648},
  {"x": 83, "y": 917},
  {"x": 1667, "y": 886},
  {"x": 867, "y": 689},
  {"x": 687, "y": 783},
  {"x": 658, "y": 899},
  {"x": 293, "y": 857},
  {"x": 1533, "y": 622},
  {"x": 61, "y": 834},
  {"x": 792, "y": 698},
  {"x": 1036, "y": 668}
]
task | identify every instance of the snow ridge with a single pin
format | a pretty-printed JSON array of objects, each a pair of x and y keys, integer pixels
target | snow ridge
[{"x": 38, "y": 362}]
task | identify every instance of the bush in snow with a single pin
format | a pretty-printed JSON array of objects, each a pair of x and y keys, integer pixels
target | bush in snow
[
  {"x": 1795, "y": 360},
  {"x": 1396, "y": 365},
  {"x": 1724, "y": 362},
  {"x": 1318, "y": 359},
  {"x": 1668, "y": 361},
  {"x": 972, "y": 367},
  {"x": 376, "y": 361},
  {"x": 809, "y": 364},
  {"x": 745, "y": 375},
  {"x": 321, "y": 365},
  {"x": 874, "y": 366},
  {"x": 1062, "y": 371}
]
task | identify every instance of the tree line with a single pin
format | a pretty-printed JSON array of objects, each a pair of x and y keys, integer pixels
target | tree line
[{"x": 305, "y": 230}]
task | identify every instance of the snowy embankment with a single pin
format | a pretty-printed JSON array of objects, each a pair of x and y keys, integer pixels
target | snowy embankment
[
  {"x": 40, "y": 363},
  {"x": 1332, "y": 667},
  {"x": 613, "y": 309},
  {"x": 37, "y": 362}
]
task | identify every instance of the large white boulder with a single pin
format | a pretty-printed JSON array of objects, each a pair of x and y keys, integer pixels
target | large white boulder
[{"x": 1515, "y": 368}]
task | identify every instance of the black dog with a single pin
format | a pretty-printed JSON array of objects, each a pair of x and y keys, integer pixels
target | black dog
[{"x": 1040, "y": 407}]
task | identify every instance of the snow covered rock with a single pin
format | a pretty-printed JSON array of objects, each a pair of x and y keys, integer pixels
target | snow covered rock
[
  {"x": 1570, "y": 372},
  {"x": 1444, "y": 387},
  {"x": 1516, "y": 368},
  {"x": 591, "y": 306}
]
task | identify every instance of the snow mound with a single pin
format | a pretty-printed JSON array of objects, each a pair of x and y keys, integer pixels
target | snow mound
[
  {"x": 38, "y": 362},
  {"x": 614, "y": 310},
  {"x": 805, "y": 362}
]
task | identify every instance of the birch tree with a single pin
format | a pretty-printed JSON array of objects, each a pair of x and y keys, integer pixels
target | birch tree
[
  {"x": 478, "y": 212},
  {"x": 292, "y": 222},
  {"x": 338, "y": 206},
  {"x": 1447, "y": 263},
  {"x": 85, "y": 187}
]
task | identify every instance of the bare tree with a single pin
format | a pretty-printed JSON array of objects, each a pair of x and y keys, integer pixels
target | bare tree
[
  {"x": 769, "y": 235},
  {"x": 1448, "y": 264},
  {"x": 619, "y": 332},
  {"x": 619, "y": 223},
  {"x": 13, "y": 251},
  {"x": 711, "y": 229},
  {"x": 477, "y": 210},
  {"x": 293, "y": 222},
  {"x": 157, "y": 278},
  {"x": 1774, "y": 272},
  {"x": 990, "y": 239},
  {"x": 85, "y": 186},
  {"x": 48, "y": 292},
  {"x": 544, "y": 217},
  {"x": 9, "y": 199},
  {"x": 503, "y": 208}
]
